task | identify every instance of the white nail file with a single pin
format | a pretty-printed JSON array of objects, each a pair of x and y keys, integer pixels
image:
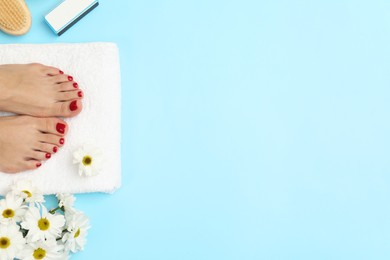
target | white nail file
[{"x": 68, "y": 13}]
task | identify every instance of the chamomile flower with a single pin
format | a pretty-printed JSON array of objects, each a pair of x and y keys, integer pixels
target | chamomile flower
[
  {"x": 45, "y": 250},
  {"x": 42, "y": 225},
  {"x": 66, "y": 201},
  {"x": 11, "y": 241},
  {"x": 11, "y": 209},
  {"x": 77, "y": 227},
  {"x": 89, "y": 160},
  {"x": 26, "y": 190}
]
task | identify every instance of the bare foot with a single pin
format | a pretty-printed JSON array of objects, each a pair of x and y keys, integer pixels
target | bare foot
[
  {"x": 38, "y": 90},
  {"x": 25, "y": 141}
]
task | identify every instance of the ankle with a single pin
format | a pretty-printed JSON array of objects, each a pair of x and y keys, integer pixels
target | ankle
[{"x": 5, "y": 94}]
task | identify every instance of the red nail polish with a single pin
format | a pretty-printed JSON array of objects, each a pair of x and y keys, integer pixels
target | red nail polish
[
  {"x": 38, "y": 165},
  {"x": 61, "y": 72},
  {"x": 48, "y": 155},
  {"x": 62, "y": 140},
  {"x": 70, "y": 78},
  {"x": 80, "y": 94},
  {"x": 55, "y": 149},
  {"x": 75, "y": 85},
  {"x": 60, "y": 128},
  {"x": 73, "y": 105}
]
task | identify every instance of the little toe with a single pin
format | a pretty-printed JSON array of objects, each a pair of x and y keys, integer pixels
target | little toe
[
  {"x": 68, "y": 108},
  {"x": 32, "y": 164},
  {"x": 53, "y": 126},
  {"x": 69, "y": 95},
  {"x": 52, "y": 71}
]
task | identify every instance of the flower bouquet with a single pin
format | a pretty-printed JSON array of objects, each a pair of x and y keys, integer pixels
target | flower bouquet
[{"x": 29, "y": 231}]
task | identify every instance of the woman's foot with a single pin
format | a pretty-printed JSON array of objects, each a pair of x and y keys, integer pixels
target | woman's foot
[
  {"x": 25, "y": 141},
  {"x": 38, "y": 90}
]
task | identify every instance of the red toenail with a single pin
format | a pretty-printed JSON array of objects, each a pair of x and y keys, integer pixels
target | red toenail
[
  {"x": 80, "y": 94},
  {"x": 55, "y": 149},
  {"x": 62, "y": 141},
  {"x": 70, "y": 78},
  {"x": 75, "y": 85},
  {"x": 38, "y": 165},
  {"x": 73, "y": 105},
  {"x": 61, "y": 72},
  {"x": 48, "y": 155},
  {"x": 61, "y": 128}
]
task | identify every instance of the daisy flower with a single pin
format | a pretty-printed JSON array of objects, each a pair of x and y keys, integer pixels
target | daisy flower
[
  {"x": 11, "y": 209},
  {"x": 66, "y": 201},
  {"x": 77, "y": 227},
  {"x": 25, "y": 190},
  {"x": 89, "y": 160},
  {"x": 11, "y": 241},
  {"x": 43, "y": 249},
  {"x": 42, "y": 225}
]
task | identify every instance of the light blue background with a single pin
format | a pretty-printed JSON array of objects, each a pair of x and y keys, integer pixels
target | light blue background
[{"x": 251, "y": 129}]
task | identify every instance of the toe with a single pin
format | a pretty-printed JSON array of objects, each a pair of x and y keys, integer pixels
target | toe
[
  {"x": 69, "y": 95},
  {"x": 40, "y": 156},
  {"x": 52, "y": 71},
  {"x": 68, "y": 108},
  {"x": 46, "y": 147},
  {"x": 55, "y": 140},
  {"x": 61, "y": 78},
  {"x": 32, "y": 164},
  {"x": 68, "y": 86},
  {"x": 53, "y": 126}
]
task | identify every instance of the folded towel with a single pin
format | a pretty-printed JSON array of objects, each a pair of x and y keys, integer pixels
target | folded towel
[{"x": 95, "y": 67}]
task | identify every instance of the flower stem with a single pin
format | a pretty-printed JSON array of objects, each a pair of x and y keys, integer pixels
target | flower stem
[{"x": 54, "y": 210}]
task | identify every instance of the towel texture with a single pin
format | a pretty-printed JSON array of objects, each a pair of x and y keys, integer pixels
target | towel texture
[{"x": 95, "y": 67}]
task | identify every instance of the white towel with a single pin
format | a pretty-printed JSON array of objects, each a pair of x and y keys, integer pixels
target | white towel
[{"x": 95, "y": 67}]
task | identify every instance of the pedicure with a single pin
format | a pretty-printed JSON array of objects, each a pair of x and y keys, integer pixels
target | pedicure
[
  {"x": 61, "y": 72},
  {"x": 73, "y": 105},
  {"x": 70, "y": 78},
  {"x": 80, "y": 94},
  {"x": 62, "y": 140},
  {"x": 48, "y": 155},
  {"x": 55, "y": 149},
  {"x": 60, "y": 128},
  {"x": 38, "y": 165},
  {"x": 75, "y": 85}
]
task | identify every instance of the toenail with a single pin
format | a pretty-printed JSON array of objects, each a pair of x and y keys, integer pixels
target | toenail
[
  {"x": 73, "y": 105},
  {"x": 38, "y": 165},
  {"x": 61, "y": 72},
  {"x": 70, "y": 78},
  {"x": 48, "y": 155},
  {"x": 80, "y": 94},
  {"x": 75, "y": 85},
  {"x": 55, "y": 149},
  {"x": 62, "y": 141},
  {"x": 61, "y": 128}
]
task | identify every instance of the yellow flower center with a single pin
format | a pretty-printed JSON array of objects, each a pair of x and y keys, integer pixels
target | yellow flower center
[
  {"x": 87, "y": 160},
  {"x": 28, "y": 193},
  {"x": 39, "y": 253},
  {"x": 43, "y": 224},
  {"x": 4, "y": 242},
  {"x": 8, "y": 213},
  {"x": 77, "y": 233}
]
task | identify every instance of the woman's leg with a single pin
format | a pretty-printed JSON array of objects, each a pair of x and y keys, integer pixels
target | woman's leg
[
  {"x": 38, "y": 90},
  {"x": 25, "y": 141}
]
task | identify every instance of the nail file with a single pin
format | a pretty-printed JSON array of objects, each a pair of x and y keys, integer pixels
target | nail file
[{"x": 68, "y": 13}]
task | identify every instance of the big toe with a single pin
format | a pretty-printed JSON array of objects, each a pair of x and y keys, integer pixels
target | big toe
[
  {"x": 53, "y": 125},
  {"x": 67, "y": 108}
]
